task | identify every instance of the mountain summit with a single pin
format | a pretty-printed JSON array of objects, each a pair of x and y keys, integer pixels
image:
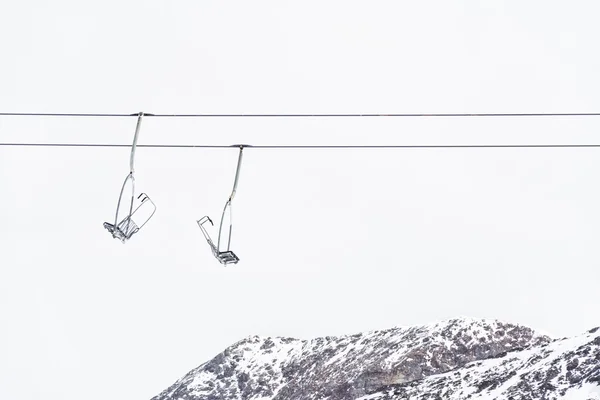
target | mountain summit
[{"x": 455, "y": 359}]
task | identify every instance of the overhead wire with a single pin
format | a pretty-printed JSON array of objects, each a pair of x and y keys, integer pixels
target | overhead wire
[
  {"x": 301, "y": 115},
  {"x": 237, "y": 146},
  {"x": 351, "y": 115}
]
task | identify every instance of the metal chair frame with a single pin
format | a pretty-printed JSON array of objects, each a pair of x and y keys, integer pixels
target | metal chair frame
[
  {"x": 126, "y": 228},
  {"x": 224, "y": 256}
]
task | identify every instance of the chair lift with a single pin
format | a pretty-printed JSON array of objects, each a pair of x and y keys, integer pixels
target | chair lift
[
  {"x": 143, "y": 211},
  {"x": 227, "y": 256}
]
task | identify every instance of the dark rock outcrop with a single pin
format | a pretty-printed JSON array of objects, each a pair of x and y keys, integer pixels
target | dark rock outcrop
[{"x": 455, "y": 359}]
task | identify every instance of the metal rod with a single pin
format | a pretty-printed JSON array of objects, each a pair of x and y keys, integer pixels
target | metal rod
[
  {"x": 135, "y": 139},
  {"x": 237, "y": 174}
]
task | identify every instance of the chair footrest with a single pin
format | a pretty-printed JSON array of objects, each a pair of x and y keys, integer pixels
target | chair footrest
[{"x": 227, "y": 257}]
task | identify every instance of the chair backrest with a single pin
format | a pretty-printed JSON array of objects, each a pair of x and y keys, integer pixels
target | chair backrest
[
  {"x": 144, "y": 211},
  {"x": 201, "y": 223}
]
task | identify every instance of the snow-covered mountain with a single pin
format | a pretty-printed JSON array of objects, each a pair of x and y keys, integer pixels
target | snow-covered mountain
[{"x": 456, "y": 359}]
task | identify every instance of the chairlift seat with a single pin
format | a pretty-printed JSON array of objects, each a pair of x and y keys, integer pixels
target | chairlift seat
[
  {"x": 227, "y": 256},
  {"x": 125, "y": 229}
]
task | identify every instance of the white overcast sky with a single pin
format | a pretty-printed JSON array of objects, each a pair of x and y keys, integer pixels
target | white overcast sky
[{"x": 330, "y": 241}]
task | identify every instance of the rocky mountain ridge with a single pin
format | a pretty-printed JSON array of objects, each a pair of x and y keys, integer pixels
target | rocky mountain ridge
[
  {"x": 454, "y": 359},
  {"x": 566, "y": 368}
]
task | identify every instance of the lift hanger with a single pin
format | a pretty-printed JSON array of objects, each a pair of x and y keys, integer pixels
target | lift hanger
[
  {"x": 224, "y": 256},
  {"x": 145, "y": 208}
]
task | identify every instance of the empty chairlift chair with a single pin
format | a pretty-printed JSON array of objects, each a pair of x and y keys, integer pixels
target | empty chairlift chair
[
  {"x": 225, "y": 255},
  {"x": 140, "y": 210}
]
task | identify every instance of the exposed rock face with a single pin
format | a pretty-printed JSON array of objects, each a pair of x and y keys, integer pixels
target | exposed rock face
[
  {"x": 562, "y": 369},
  {"x": 398, "y": 363},
  {"x": 348, "y": 367}
]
